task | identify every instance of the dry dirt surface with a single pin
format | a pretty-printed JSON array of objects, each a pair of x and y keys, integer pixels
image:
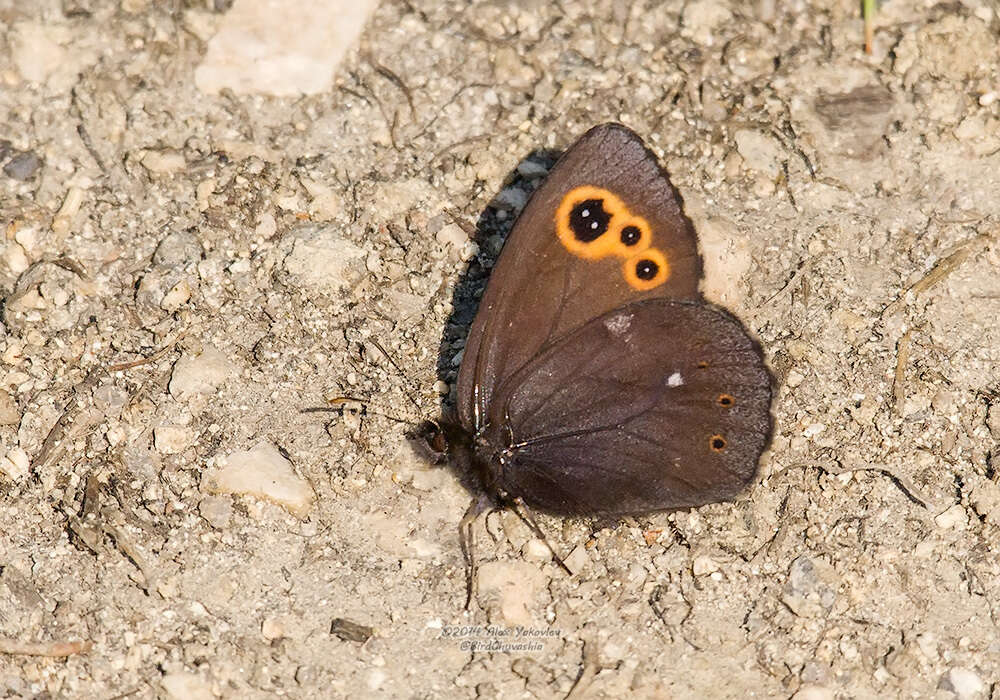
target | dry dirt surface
[{"x": 185, "y": 274}]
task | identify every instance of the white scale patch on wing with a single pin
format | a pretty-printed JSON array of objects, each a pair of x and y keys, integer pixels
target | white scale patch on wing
[
  {"x": 675, "y": 380},
  {"x": 619, "y": 323}
]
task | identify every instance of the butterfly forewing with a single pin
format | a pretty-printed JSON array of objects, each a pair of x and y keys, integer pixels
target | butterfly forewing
[{"x": 544, "y": 285}]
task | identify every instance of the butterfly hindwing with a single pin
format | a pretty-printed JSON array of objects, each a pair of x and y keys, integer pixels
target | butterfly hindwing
[
  {"x": 668, "y": 407},
  {"x": 606, "y": 228}
]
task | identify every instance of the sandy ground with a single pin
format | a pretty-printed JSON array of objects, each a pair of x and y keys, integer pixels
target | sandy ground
[{"x": 184, "y": 274}]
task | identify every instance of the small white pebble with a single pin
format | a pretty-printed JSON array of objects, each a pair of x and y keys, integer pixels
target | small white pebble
[
  {"x": 577, "y": 559},
  {"x": 262, "y": 472},
  {"x": 964, "y": 683},
  {"x": 15, "y": 258},
  {"x": 470, "y": 249},
  {"x": 163, "y": 162},
  {"x": 272, "y": 628},
  {"x": 376, "y": 677},
  {"x": 955, "y": 517},
  {"x": 27, "y": 237},
  {"x": 171, "y": 439},
  {"x": 188, "y": 686},
  {"x": 452, "y": 235},
  {"x": 199, "y": 373},
  {"x": 14, "y": 465},
  {"x": 794, "y": 378},
  {"x": 813, "y": 430},
  {"x": 813, "y": 692},
  {"x": 178, "y": 295},
  {"x": 703, "y": 564},
  {"x": 536, "y": 550}
]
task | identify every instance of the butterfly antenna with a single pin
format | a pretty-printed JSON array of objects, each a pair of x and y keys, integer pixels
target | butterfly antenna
[
  {"x": 400, "y": 372},
  {"x": 339, "y": 404},
  {"x": 525, "y": 515}
]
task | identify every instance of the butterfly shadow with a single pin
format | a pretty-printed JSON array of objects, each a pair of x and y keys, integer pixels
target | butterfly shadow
[{"x": 489, "y": 233}]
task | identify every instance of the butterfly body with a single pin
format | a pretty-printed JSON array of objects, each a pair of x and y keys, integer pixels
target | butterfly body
[{"x": 596, "y": 380}]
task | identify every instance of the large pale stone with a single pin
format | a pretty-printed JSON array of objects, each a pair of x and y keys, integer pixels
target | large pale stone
[
  {"x": 262, "y": 472},
  {"x": 281, "y": 47}
]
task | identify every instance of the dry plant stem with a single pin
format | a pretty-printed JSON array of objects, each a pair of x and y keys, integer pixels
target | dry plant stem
[
  {"x": 50, "y": 649},
  {"x": 130, "y": 550},
  {"x": 52, "y": 447},
  {"x": 97, "y": 521},
  {"x": 942, "y": 269},
  {"x": 899, "y": 379},
  {"x": 870, "y": 6},
  {"x": 591, "y": 666},
  {"x": 146, "y": 360},
  {"x": 24, "y": 279},
  {"x": 904, "y": 483}
]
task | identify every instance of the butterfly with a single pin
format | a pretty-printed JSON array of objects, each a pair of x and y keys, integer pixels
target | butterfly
[{"x": 596, "y": 379}]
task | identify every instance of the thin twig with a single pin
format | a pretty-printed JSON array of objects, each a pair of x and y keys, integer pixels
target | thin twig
[
  {"x": 395, "y": 80},
  {"x": 903, "y": 482},
  {"x": 941, "y": 269},
  {"x": 50, "y": 649},
  {"x": 899, "y": 378},
  {"x": 156, "y": 355},
  {"x": 52, "y": 440},
  {"x": 25, "y": 278},
  {"x": 97, "y": 520},
  {"x": 591, "y": 665}
]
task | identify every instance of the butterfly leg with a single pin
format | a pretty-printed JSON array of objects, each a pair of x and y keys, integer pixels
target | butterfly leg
[
  {"x": 467, "y": 541},
  {"x": 524, "y": 514}
]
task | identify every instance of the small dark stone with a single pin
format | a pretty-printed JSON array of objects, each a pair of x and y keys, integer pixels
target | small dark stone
[
  {"x": 23, "y": 166},
  {"x": 351, "y": 631},
  {"x": 78, "y": 8}
]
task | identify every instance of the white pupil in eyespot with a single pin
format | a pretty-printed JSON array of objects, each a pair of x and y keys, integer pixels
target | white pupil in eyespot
[{"x": 593, "y": 225}]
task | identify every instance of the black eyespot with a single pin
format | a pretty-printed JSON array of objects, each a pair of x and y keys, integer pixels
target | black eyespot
[
  {"x": 726, "y": 400},
  {"x": 588, "y": 220},
  {"x": 718, "y": 443},
  {"x": 630, "y": 235},
  {"x": 646, "y": 269}
]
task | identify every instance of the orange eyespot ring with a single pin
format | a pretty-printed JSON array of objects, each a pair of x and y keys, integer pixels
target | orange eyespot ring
[
  {"x": 703, "y": 364},
  {"x": 717, "y": 443},
  {"x": 647, "y": 270},
  {"x": 584, "y": 218},
  {"x": 632, "y": 235},
  {"x": 725, "y": 400}
]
